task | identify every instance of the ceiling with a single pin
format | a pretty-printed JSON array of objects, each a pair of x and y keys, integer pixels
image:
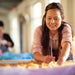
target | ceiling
[{"x": 9, "y": 4}]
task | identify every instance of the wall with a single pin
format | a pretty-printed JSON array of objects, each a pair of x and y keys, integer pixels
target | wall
[
  {"x": 4, "y": 18},
  {"x": 69, "y": 12}
]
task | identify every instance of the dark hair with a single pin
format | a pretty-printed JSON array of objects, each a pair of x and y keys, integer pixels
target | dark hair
[
  {"x": 1, "y": 24},
  {"x": 45, "y": 31},
  {"x": 55, "y": 6}
]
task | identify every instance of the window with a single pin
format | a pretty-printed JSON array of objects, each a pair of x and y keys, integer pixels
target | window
[
  {"x": 50, "y": 1},
  {"x": 54, "y": 1},
  {"x": 35, "y": 17},
  {"x": 15, "y": 34}
]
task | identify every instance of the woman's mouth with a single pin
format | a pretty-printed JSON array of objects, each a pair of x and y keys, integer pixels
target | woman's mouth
[{"x": 52, "y": 26}]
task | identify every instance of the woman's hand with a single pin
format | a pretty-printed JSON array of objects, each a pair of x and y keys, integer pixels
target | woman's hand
[
  {"x": 47, "y": 59},
  {"x": 8, "y": 44},
  {"x": 60, "y": 61},
  {"x": 39, "y": 57},
  {"x": 64, "y": 53}
]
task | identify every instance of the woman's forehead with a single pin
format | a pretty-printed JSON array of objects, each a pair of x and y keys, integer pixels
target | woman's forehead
[{"x": 53, "y": 12}]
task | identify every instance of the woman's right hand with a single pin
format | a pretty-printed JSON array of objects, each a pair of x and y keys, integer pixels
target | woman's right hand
[
  {"x": 39, "y": 57},
  {"x": 47, "y": 59}
]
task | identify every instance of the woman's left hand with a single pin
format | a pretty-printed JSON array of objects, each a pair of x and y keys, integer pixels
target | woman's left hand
[
  {"x": 64, "y": 53},
  {"x": 8, "y": 44},
  {"x": 60, "y": 61}
]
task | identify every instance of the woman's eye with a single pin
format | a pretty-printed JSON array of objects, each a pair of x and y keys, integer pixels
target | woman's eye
[
  {"x": 56, "y": 18},
  {"x": 49, "y": 18}
]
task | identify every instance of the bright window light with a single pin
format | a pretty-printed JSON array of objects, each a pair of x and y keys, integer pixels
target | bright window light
[
  {"x": 15, "y": 33},
  {"x": 14, "y": 23},
  {"x": 36, "y": 10},
  {"x": 36, "y": 16},
  {"x": 14, "y": 29},
  {"x": 36, "y": 13},
  {"x": 54, "y": 1}
]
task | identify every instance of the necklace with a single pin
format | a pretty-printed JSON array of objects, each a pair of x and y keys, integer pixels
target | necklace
[{"x": 51, "y": 48}]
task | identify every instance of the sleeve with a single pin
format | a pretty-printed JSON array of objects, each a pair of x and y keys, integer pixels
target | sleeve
[
  {"x": 37, "y": 47},
  {"x": 67, "y": 34},
  {"x": 8, "y": 38}
]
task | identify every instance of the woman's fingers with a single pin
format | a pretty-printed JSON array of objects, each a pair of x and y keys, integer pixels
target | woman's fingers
[
  {"x": 53, "y": 57},
  {"x": 60, "y": 61},
  {"x": 48, "y": 59}
]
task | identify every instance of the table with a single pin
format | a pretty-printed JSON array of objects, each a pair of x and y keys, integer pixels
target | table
[{"x": 67, "y": 70}]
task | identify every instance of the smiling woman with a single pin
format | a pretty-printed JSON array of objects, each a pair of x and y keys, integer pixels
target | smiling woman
[
  {"x": 28, "y": 9},
  {"x": 54, "y": 38}
]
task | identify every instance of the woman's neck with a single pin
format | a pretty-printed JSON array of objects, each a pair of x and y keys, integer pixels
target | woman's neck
[{"x": 53, "y": 32}]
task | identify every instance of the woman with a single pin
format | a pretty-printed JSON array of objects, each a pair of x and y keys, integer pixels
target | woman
[
  {"x": 54, "y": 38},
  {"x": 5, "y": 40}
]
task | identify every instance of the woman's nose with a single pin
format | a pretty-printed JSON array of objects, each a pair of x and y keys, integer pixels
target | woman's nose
[{"x": 52, "y": 20}]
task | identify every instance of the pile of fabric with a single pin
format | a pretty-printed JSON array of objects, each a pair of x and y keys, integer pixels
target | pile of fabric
[{"x": 13, "y": 56}]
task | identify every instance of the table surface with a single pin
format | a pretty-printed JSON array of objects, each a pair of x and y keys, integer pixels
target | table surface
[
  {"x": 69, "y": 70},
  {"x": 66, "y": 70}
]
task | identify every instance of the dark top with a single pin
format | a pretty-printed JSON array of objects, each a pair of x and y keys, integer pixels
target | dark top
[{"x": 6, "y": 37}]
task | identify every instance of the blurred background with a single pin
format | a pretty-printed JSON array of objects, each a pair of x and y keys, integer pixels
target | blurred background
[{"x": 21, "y": 17}]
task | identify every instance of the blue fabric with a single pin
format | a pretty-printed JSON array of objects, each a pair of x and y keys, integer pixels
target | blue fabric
[
  {"x": 73, "y": 58},
  {"x": 7, "y": 55},
  {"x": 13, "y": 56},
  {"x": 31, "y": 54}
]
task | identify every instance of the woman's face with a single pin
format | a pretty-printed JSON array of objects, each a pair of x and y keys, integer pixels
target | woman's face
[{"x": 53, "y": 19}]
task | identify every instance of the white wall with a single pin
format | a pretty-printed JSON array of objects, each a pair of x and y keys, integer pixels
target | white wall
[
  {"x": 69, "y": 12},
  {"x": 73, "y": 16}
]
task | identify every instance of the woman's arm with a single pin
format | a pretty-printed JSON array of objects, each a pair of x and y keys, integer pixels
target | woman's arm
[
  {"x": 65, "y": 53},
  {"x": 39, "y": 57}
]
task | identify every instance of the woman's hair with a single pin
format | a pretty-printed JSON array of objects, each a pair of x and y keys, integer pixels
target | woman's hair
[
  {"x": 1, "y": 24},
  {"x": 55, "y": 6},
  {"x": 45, "y": 31}
]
